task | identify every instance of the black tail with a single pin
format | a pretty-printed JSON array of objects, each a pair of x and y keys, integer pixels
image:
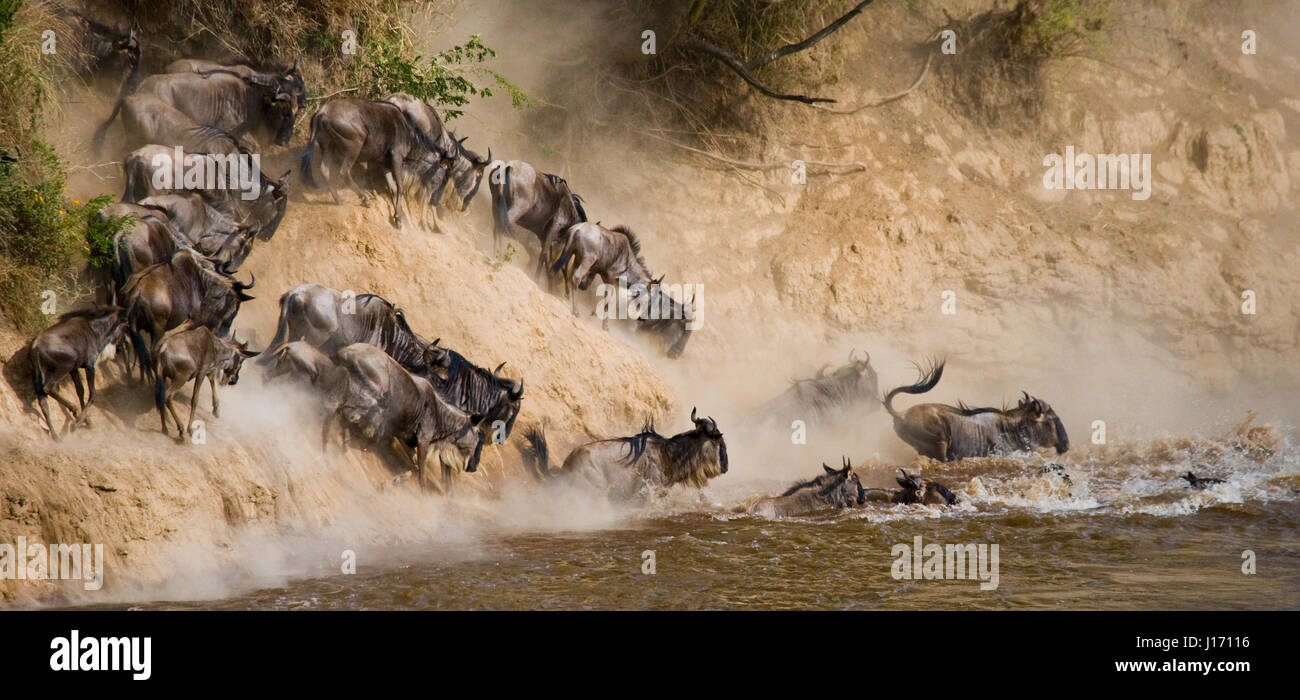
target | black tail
[
  {"x": 281, "y": 330},
  {"x": 305, "y": 165},
  {"x": 159, "y": 398},
  {"x": 128, "y": 86},
  {"x": 537, "y": 455},
  {"x": 562, "y": 261},
  {"x": 577, "y": 204},
  {"x": 925, "y": 383}
]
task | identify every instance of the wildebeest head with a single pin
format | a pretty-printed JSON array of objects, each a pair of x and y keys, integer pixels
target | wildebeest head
[
  {"x": 1038, "y": 425},
  {"x": 841, "y": 487},
  {"x": 283, "y": 96},
  {"x": 709, "y": 428},
  {"x": 269, "y": 207},
  {"x": 468, "y": 171},
  {"x": 436, "y": 359},
  {"x": 230, "y": 365},
  {"x": 514, "y": 397}
]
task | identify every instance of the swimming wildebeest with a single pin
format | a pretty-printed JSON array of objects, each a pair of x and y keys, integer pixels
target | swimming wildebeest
[
  {"x": 591, "y": 250},
  {"x": 464, "y": 168},
  {"x": 185, "y": 288},
  {"x": 627, "y": 466},
  {"x": 193, "y": 352},
  {"x": 1200, "y": 483},
  {"x": 259, "y": 105},
  {"x": 912, "y": 489},
  {"x": 384, "y": 402},
  {"x": 329, "y": 319},
  {"x": 837, "y": 488},
  {"x": 850, "y": 390},
  {"x": 74, "y": 342},
  {"x": 261, "y": 214},
  {"x": 947, "y": 433},
  {"x": 539, "y": 202},
  {"x": 376, "y": 134}
]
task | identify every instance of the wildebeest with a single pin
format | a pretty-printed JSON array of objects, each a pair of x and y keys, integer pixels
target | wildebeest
[
  {"x": 912, "y": 489},
  {"x": 384, "y": 402},
  {"x": 837, "y": 488},
  {"x": 193, "y": 352},
  {"x": 261, "y": 214},
  {"x": 224, "y": 241},
  {"x": 851, "y": 390},
  {"x": 947, "y": 433},
  {"x": 378, "y": 135},
  {"x": 186, "y": 287},
  {"x": 539, "y": 202},
  {"x": 255, "y": 104},
  {"x": 475, "y": 390},
  {"x": 107, "y": 50},
  {"x": 150, "y": 238},
  {"x": 628, "y": 466},
  {"x": 329, "y": 319},
  {"x": 464, "y": 167},
  {"x": 590, "y": 250},
  {"x": 74, "y": 342},
  {"x": 146, "y": 119},
  {"x": 1200, "y": 483}
]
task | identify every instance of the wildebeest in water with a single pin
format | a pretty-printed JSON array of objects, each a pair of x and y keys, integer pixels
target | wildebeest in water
[
  {"x": 948, "y": 433},
  {"x": 912, "y": 489},
  {"x": 628, "y": 466},
  {"x": 836, "y": 488}
]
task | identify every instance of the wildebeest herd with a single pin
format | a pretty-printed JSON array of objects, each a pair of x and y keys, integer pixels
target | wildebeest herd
[{"x": 171, "y": 296}]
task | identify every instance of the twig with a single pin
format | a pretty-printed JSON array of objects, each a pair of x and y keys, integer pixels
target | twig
[
  {"x": 698, "y": 44},
  {"x": 879, "y": 102},
  {"x": 795, "y": 48},
  {"x": 336, "y": 92}
]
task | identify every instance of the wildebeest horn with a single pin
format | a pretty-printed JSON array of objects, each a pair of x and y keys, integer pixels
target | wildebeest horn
[
  {"x": 498, "y": 369},
  {"x": 827, "y": 468},
  {"x": 252, "y": 280},
  {"x": 1026, "y": 399},
  {"x": 518, "y": 389},
  {"x": 822, "y": 372},
  {"x": 851, "y": 351},
  {"x": 848, "y": 463},
  {"x": 692, "y": 414}
]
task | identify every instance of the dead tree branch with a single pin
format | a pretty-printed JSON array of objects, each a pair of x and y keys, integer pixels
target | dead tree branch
[{"x": 800, "y": 46}]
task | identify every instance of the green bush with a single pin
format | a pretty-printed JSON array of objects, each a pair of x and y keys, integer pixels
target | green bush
[{"x": 449, "y": 79}]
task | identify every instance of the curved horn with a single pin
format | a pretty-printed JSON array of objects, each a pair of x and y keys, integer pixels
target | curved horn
[
  {"x": 693, "y": 414},
  {"x": 851, "y": 351},
  {"x": 1026, "y": 399},
  {"x": 498, "y": 369},
  {"x": 252, "y": 280},
  {"x": 517, "y": 390}
]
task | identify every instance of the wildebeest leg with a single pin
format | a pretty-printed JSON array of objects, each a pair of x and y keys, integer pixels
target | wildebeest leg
[
  {"x": 90, "y": 398},
  {"x": 395, "y": 164},
  {"x": 171, "y": 407},
  {"x": 212, "y": 382},
  {"x": 194, "y": 401},
  {"x": 81, "y": 391},
  {"x": 45, "y": 410},
  {"x": 446, "y": 476},
  {"x": 421, "y": 454},
  {"x": 553, "y": 232},
  {"x": 62, "y": 401}
]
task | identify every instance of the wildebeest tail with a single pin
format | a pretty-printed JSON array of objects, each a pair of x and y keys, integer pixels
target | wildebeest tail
[
  {"x": 38, "y": 373},
  {"x": 928, "y": 380},
  {"x": 306, "y": 166},
  {"x": 563, "y": 261},
  {"x": 536, "y": 454},
  {"x": 281, "y": 330},
  {"x": 577, "y": 204},
  {"x": 97, "y": 141}
]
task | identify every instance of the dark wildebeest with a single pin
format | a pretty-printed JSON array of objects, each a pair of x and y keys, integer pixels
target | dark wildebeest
[
  {"x": 329, "y": 319},
  {"x": 290, "y": 77},
  {"x": 615, "y": 255},
  {"x": 259, "y": 105},
  {"x": 384, "y": 402},
  {"x": 74, "y": 342},
  {"x": 193, "y": 352},
  {"x": 837, "y": 488},
  {"x": 849, "y": 391},
  {"x": 185, "y": 288},
  {"x": 150, "y": 239},
  {"x": 378, "y": 135},
  {"x": 465, "y": 167},
  {"x": 539, "y": 202},
  {"x": 225, "y": 242},
  {"x": 261, "y": 214},
  {"x": 912, "y": 489},
  {"x": 1200, "y": 483},
  {"x": 947, "y": 433},
  {"x": 625, "y": 467}
]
